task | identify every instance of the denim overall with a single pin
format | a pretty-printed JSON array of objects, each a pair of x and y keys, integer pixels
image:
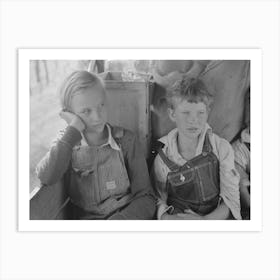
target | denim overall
[
  {"x": 196, "y": 184},
  {"x": 99, "y": 182}
]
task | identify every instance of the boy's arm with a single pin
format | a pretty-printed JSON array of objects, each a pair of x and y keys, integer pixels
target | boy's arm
[
  {"x": 244, "y": 177},
  {"x": 243, "y": 185},
  {"x": 241, "y": 165},
  {"x": 242, "y": 160},
  {"x": 55, "y": 163},
  {"x": 229, "y": 179},
  {"x": 143, "y": 206}
]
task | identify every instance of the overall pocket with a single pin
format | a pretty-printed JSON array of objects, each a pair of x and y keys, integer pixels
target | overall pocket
[
  {"x": 113, "y": 178},
  {"x": 183, "y": 186},
  {"x": 83, "y": 159},
  {"x": 81, "y": 189}
]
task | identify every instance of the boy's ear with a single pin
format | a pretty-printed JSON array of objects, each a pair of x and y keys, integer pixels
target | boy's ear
[{"x": 171, "y": 114}]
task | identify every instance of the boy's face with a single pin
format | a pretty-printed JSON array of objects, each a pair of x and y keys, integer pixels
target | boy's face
[
  {"x": 190, "y": 118},
  {"x": 90, "y": 105}
]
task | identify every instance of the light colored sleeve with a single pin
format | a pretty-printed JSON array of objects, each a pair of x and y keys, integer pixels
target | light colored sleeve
[
  {"x": 244, "y": 177},
  {"x": 229, "y": 178},
  {"x": 239, "y": 154},
  {"x": 241, "y": 163},
  {"x": 159, "y": 174}
]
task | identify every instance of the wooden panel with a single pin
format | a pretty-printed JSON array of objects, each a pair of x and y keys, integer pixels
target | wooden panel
[
  {"x": 129, "y": 107},
  {"x": 49, "y": 203}
]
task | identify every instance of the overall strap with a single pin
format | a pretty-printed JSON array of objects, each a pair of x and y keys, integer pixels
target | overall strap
[
  {"x": 169, "y": 163},
  {"x": 117, "y": 133},
  {"x": 207, "y": 147}
]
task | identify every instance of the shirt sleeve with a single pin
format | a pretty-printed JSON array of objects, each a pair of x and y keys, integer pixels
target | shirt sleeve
[
  {"x": 55, "y": 163},
  {"x": 244, "y": 177},
  {"x": 241, "y": 163},
  {"x": 239, "y": 154},
  {"x": 229, "y": 178},
  {"x": 159, "y": 175}
]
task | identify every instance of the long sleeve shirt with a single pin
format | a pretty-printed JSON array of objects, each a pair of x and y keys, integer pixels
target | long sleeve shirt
[
  {"x": 229, "y": 178},
  {"x": 103, "y": 180},
  {"x": 242, "y": 158}
]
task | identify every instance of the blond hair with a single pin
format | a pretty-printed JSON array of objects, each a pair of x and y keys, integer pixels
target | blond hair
[{"x": 76, "y": 82}]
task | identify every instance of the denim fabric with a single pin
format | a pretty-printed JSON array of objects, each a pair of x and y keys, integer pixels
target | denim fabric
[
  {"x": 101, "y": 181},
  {"x": 98, "y": 174},
  {"x": 196, "y": 184}
]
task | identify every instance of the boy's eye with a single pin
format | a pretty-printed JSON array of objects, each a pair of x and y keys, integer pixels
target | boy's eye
[
  {"x": 201, "y": 112},
  {"x": 100, "y": 106},
  {"x": 86, "y": 111}
]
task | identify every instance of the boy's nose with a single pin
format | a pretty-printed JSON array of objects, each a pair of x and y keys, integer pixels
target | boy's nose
[
  {"x": 95, "y": 116},
  {"x": 192, "y": 119}
]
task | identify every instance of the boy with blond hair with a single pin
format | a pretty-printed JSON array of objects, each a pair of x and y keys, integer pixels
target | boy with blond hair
[{"x": 108, "y": 176}]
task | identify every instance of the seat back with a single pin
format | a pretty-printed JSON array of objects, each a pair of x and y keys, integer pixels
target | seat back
[
  {"x": 50, "y": 203},
  {"x": 129, "y": 105}
]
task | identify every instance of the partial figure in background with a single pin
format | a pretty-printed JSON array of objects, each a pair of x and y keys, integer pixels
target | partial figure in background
[
  {"x": 242, "y": 161},
  {"x": 107, "y": 171},
  {"x": 227, "y": 80},
  {"x": 194, "y": 173}
]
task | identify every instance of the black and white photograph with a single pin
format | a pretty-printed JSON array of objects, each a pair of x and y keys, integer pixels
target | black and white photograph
[
  {"x": 139, "y": 140},
  {"x": 195, "y": 174},
  {"x": 135, "y": 139}
]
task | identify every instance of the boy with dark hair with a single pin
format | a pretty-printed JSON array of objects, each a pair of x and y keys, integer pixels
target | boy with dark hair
[{"x": 194, "y": 172}]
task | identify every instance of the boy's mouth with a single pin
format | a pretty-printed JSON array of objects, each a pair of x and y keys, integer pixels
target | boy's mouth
[{"x": 96, "y": 126}]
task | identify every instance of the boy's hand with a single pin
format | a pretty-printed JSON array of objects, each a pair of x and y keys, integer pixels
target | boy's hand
[
  {"x": 182, "y": 216},
  {"x": 189, "y": 215},
  {"x": 73, "y": 120},
  {"x": 190, "y": 211}
]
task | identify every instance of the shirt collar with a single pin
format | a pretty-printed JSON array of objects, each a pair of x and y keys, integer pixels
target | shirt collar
[
  {"x": 171, "y": 144},
  {"x": 111, "y": 141}
]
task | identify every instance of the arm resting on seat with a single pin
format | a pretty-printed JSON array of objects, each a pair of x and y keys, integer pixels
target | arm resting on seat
[{"x": 49, "y": 202}]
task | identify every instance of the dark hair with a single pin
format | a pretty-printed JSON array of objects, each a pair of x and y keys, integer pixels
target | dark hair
[{"x": 191, "y": 89}]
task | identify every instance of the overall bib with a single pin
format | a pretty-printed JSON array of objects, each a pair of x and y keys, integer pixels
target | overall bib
[{"x": 196, "y": 184}]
